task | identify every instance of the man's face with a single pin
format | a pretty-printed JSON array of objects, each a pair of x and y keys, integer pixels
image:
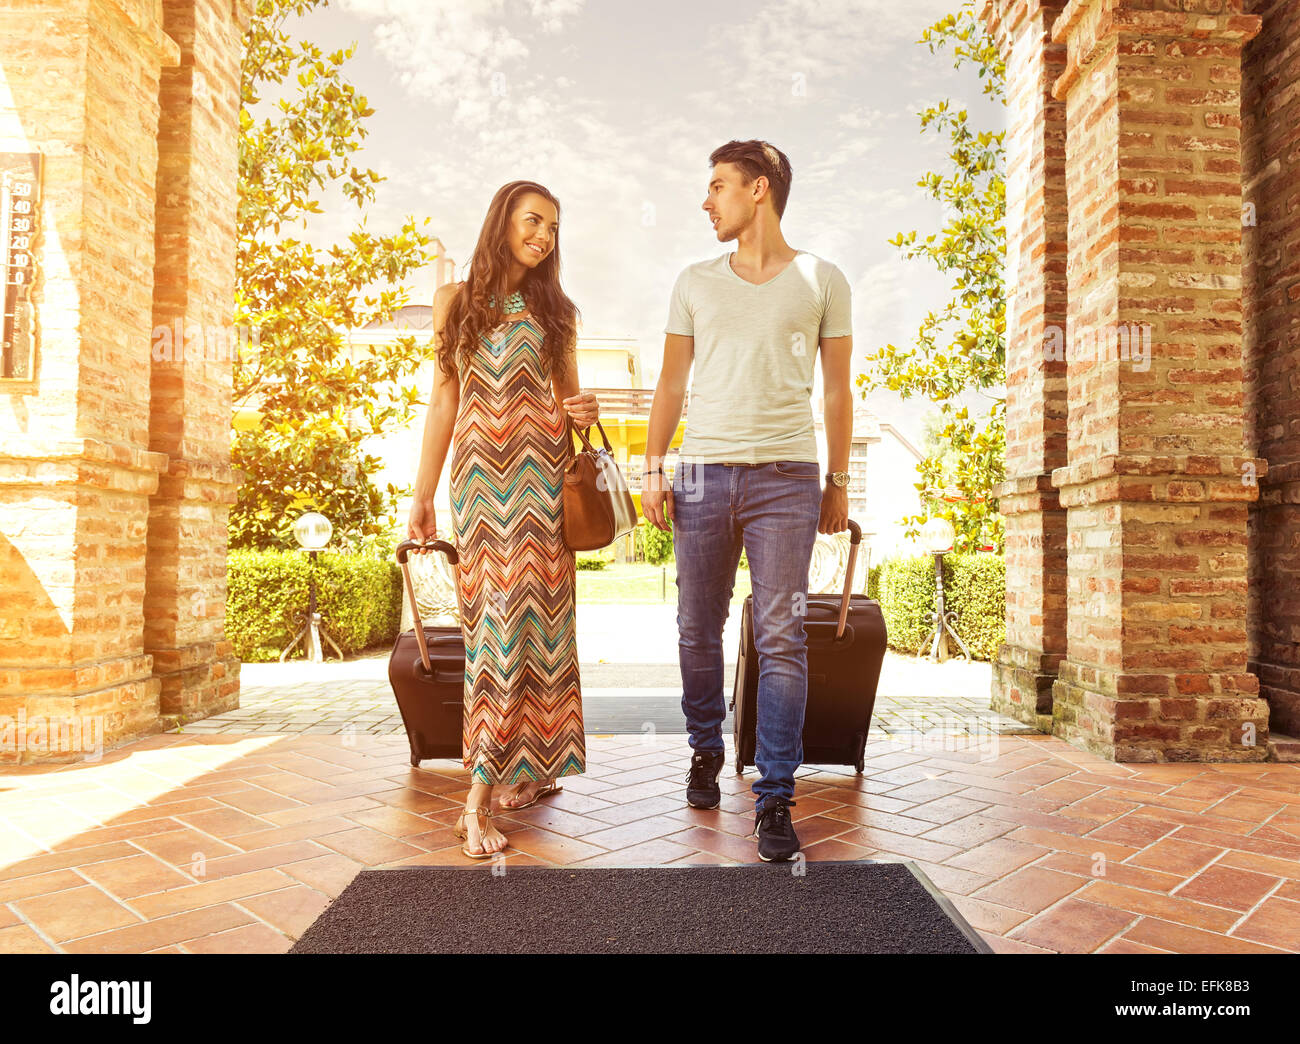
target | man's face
[{"x": 729, "y": 201}]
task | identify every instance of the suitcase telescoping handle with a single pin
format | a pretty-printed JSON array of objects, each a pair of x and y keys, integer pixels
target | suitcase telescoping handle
[
  {"x": 403, "y": 549},
  {"x": 855, "y": 538}
]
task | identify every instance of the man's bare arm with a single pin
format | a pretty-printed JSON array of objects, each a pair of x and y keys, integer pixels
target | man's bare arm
[
  {"x": 670, "y": 394},
  {"x": 837, "y": 408},
  {"x": 665, "y": 415},
  {"x": 837, "y": 357}
]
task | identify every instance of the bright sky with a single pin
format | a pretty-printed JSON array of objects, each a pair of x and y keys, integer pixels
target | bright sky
[{"x": 615, "y": 106}]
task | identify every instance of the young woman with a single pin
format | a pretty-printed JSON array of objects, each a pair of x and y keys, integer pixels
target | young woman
[{"x": 505, "y": 387}]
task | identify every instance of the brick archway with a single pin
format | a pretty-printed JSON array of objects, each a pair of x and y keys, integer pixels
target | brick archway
[{"x": 1131, "y": 533}]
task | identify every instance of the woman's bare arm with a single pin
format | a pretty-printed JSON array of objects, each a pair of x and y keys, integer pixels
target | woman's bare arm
[
  {"x": 581, "y": 406},
  {"x": 444, "y": 401}
]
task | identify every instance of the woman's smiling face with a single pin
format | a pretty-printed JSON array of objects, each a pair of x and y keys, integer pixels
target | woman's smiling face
[{"x": 534, "y": 228}]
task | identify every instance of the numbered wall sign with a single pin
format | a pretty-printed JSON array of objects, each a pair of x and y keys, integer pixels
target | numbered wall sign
[{"x": 20, "y": 209}]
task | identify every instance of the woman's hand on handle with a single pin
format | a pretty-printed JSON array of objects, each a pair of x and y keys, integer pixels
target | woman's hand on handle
[
  {"x": 583, "y": 409},
  {"x": 422, "y": 524}
]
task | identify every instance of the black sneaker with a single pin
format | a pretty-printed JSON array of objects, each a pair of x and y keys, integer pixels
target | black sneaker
[
  {"x": 777, "y": 840},
  {"x": 702, "y": 789}
]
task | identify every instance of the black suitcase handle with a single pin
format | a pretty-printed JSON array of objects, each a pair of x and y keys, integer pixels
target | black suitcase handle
[
  {"x": 438, "y": 676},
  {"x": 407, "y": 546},
  {"x": 403, "y": 549},
  {"x": 818, "y": 631}
]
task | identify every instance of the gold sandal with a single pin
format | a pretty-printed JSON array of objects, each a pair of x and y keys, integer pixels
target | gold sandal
[
  {"x": 546, "y": 791},
  {"x": 459, "y": 831}
]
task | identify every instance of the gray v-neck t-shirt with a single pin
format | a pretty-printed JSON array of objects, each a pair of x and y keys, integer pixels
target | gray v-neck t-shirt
[{"x": 756, "y": 348}]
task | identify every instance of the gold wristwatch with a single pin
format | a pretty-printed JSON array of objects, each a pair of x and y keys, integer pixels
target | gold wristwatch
[{"x": 840, "y": 478}]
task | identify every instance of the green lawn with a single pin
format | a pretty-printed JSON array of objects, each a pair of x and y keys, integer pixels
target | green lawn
[{"x": 640, "y": 584}]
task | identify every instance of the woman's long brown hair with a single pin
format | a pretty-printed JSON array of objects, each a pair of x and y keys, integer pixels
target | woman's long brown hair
[{"x": 469, "y": 314}]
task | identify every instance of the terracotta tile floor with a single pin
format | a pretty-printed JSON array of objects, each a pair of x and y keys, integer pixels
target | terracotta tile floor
[{"x": 226, "y": 843}]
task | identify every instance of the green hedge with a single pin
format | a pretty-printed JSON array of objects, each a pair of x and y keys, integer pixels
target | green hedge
[
  {"x": 359, "y": 598},
  {"x": 656, "y": 545},
  {"x": 873, "y": 580},
  {"x": 974, "y": 586},
  {"x": 652, "y": 545}
]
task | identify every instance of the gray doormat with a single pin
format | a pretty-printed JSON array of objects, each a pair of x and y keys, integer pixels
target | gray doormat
[{"x": 830, "y": 907}]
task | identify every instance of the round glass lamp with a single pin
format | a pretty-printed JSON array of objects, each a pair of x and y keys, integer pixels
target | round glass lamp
[
  {"x": 312, "y": 530},
  {"x": 938, "y": 535}
]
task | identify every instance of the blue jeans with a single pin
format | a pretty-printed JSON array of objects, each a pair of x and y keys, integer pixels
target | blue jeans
[{"x": 773, "y": 510}]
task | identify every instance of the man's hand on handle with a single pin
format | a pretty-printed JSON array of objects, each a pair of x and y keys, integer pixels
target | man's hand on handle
[{"x": 835, "y": 509}]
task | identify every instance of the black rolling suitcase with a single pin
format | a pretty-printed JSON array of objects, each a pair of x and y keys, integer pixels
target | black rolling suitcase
[
  {"x": 846, "y": 647},
  {"x": 427, "y": 671}
]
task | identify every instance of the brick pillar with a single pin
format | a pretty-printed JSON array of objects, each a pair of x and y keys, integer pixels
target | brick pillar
[
  {"x": 76, "y": 471},
  {"x": 1271, "y": 242},
  {"x": 91, "y": 501},
  {"x": 1158, "y": 483},
  {"x": 192, "y": 356},
  {"x": 1026, "y": 664}
]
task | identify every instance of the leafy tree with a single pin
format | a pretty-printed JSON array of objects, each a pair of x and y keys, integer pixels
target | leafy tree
[
  {"x": 934, "y": 444},
  {"x": 960, "y": 348},
  {"x": 317, "y": 404}
]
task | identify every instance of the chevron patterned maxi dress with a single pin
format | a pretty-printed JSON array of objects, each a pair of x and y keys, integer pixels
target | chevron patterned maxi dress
[{"x": 523, "y": 700}]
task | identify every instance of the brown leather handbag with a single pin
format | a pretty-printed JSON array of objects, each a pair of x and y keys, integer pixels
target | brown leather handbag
[{"x": 598, "y": 508}]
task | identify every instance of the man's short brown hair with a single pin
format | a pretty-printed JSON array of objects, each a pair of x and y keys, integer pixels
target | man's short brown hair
[{"x": 759, "y": 159}]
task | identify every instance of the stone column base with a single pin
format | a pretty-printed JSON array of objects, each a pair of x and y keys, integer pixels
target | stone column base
[
  {"x": 72, "y": 521},
  {"x": 1279, "y": 685},
  {"x": 198, "y": 680},
  {"x": 1022, "y": 685},
  {"x": 40, "y": 724},
  {"x": 1214, "y": 717}
]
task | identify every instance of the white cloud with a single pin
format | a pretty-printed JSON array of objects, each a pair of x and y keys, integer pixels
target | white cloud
[
  {"x": 470, "y": 54},
  {"x": 878, "y": 296},
  {"x": 616, "y": 110},
  {"x": 552, "y": 13},
  {"x": 826, "y": 42}
]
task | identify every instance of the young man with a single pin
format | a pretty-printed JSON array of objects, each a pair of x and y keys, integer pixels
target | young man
[{"x": 748, "y": 472}]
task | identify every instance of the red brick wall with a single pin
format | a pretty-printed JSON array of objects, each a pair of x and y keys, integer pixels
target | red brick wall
[
  {"x": 1025, "y": 666},
  {"x": 185, "y": 598},
  {"x": 1271, "y": 258},
  {"x": 1157, "y": 507}
]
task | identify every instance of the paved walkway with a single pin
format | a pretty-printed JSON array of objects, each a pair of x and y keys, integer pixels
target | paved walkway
[
  {"x": 617, "y": 698},
  {"x": 226, "y": 843},
  {"x": 633, "y": 687},
  {"x": 234, "y": 834}
]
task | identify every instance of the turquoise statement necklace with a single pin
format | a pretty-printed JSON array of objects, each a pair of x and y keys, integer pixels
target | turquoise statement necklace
[{"x": 514, "y": 303}]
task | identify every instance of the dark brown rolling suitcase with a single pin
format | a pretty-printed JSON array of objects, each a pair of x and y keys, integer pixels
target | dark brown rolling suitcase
[
  {"x": 427, "y": 671},
  {"x": 846, "y": 647}
]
